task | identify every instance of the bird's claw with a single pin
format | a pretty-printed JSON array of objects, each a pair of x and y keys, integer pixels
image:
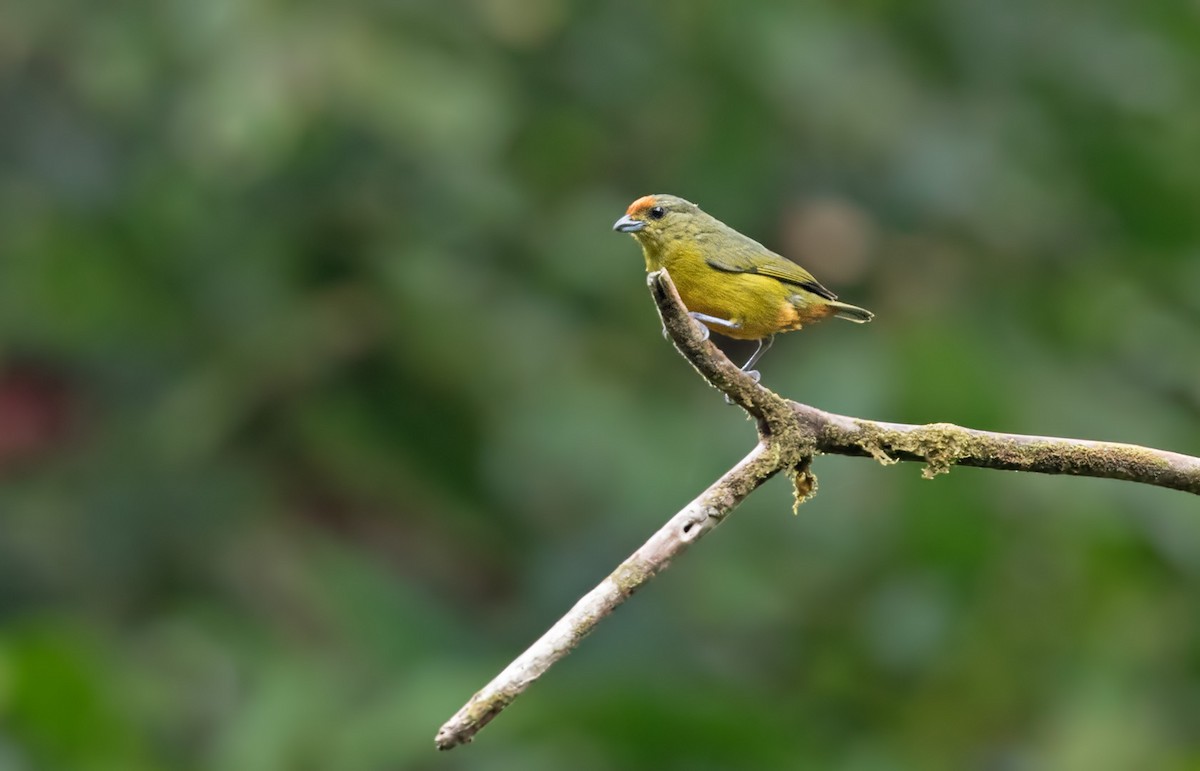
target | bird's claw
[
  {"x": 754, "y": 375},
  {"x": 704, "y": 331}
]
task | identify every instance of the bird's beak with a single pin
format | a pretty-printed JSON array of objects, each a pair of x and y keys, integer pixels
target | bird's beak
[{"x": 628, "y": 224}]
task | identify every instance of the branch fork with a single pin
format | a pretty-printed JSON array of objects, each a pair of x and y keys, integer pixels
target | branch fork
[{"x": 790, "y": 434}]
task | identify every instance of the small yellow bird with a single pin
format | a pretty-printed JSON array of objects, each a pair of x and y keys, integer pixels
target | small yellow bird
[{"x": 730, "y": 283}]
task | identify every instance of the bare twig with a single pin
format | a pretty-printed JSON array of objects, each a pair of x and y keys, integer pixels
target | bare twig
[
  {"x": 789, "y": 435},
  {"x": 689, "y": 525}
]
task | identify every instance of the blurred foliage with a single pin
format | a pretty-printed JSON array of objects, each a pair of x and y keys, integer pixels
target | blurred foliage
[{"x": 325, "y": 387}]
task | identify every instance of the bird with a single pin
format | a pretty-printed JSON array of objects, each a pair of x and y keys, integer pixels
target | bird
[{"x": 730, "y": 283}]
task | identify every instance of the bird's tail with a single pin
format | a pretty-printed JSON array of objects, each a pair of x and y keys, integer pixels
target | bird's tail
[{"x": 851, "y": 312}]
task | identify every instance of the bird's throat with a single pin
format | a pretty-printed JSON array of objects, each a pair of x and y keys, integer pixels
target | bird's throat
[{"x": 653, "y": 258}]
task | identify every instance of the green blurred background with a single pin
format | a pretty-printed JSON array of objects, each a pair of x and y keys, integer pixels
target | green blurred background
[{"x": 325, "y": 386}]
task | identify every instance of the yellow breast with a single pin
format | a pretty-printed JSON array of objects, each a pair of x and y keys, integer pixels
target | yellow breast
[{"x": 761, "y": 305}]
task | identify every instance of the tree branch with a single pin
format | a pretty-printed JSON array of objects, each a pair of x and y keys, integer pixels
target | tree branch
[
  {"x": 691, "y": 524},
  {"x": 942, "y": 445},
  {"x": 789, "y": 435}
]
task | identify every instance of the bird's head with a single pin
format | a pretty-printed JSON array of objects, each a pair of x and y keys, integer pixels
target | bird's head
[{"x": 656, "y": 219}]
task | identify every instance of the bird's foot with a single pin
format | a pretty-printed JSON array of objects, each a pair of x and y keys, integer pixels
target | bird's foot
[
  {"x": 704, "y": 331},
  {"x": 754, "y": 374}
]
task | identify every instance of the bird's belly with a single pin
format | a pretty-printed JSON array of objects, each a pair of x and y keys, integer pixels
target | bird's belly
[{"x": 759, "y": 305}]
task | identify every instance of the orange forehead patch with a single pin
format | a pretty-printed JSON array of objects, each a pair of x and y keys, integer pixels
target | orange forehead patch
[{"x": 640, "y": 205}]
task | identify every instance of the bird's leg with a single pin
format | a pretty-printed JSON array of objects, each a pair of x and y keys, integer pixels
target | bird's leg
[
  {"x": 763, "y": 345},
  {"x": 754, "y": 375},
  {"x": 699, "y": 318},
  {"x": 704, "y": 318}
]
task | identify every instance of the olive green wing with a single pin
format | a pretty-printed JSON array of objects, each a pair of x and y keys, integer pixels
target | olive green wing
[{"x": 745, "y": 255}]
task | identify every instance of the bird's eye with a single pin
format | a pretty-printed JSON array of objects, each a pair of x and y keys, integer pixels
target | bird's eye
[{"x": 657, "y": 212}]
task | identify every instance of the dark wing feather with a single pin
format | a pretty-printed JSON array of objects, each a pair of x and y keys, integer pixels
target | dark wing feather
[{"x": 740, "y": 254}]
